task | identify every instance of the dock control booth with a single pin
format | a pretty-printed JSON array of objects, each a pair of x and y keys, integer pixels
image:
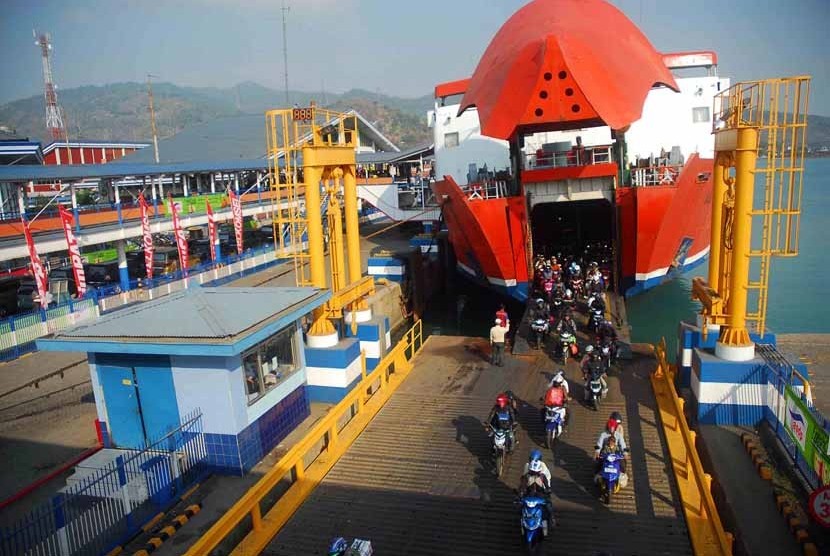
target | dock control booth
[{"x": 234, "y": 354}]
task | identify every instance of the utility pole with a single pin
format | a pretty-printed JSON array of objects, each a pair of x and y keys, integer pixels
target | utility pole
[
  {"x": 153, "y": 116},
  {"x": 285, "y": 9}
]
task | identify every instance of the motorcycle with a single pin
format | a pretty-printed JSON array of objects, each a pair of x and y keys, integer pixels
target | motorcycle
[
  {"x": 595, "y": 390},
  {"x": 533, "y": 523},
  {"x": 540, "y": 329},
  {"x": 577, "y": 286},
  {"x": 554, "y": 421},
  {"x": 547, "y": 287},
  {"x": 608, "y": 352},
  {"x": 567, "y": 346},
  {"x": 609, "y": 476},
  {"x": 501, "y": 439},
  {"x": 597, "y": 315}
]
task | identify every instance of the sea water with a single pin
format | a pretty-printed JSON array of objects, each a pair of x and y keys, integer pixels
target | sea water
[{"x": 798, "y": 287}]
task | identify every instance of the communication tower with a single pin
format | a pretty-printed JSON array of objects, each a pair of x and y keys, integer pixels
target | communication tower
[{"x": 54, "y": 121}]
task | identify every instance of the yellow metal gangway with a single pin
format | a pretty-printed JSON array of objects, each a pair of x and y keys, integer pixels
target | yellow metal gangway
[
  {"x": 760, "y": 130},
  {"x": 311, "y": 164}
]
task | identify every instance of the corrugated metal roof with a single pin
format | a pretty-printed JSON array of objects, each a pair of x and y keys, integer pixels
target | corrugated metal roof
[
  {"x": 231, "y": 138},
  {"x": 194, "y": 315},
  {"x": 389, "y": 157},
  {"x": 23, "y": 172}
]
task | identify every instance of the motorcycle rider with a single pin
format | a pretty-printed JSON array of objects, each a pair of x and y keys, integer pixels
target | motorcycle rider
[
  {"x": 616, "y": 416},
  {"x": 593, "y": 279},
  {"x": 607, "y": 334},
  {"x": 611, "y": 446},
  {"x": 592, "y": 367},
  {"x": 540, "y": 311},
  {"x": 567, "y": 324},
  {"x": 503, "y": 416},
  {"x": 612, "y": 430},
  {"x": 536, "y": 480},
  {"x": 557, "y": 395}
]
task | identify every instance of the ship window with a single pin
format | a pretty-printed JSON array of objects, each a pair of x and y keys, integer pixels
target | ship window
[
  {"x": 700, "y": 114},
  {"x": 451, "y": 140}
]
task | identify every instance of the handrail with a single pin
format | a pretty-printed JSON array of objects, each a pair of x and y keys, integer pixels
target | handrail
[
  {"x": 694, "y": 484},
  {"x": 362, "y": 403}
]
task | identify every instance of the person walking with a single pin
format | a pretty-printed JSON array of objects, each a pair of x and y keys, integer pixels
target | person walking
[{"x": 497, "y": 334}]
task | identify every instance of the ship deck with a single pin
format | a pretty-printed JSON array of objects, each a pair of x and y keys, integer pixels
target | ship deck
[{"x": 419, "y": 480}]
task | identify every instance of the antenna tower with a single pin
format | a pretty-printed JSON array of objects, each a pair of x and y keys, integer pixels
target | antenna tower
[{"x": 54, "y": 122}]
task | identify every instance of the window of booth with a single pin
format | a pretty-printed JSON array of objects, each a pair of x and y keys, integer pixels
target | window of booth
[{"x": 269, "y": 363}]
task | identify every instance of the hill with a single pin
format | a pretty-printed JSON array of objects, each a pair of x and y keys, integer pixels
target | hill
[{"x": 119, "y": 111}]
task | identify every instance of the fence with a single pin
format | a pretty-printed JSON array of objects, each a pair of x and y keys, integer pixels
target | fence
[
  {"x": 104, "y": 508},
  {"x": 335, "y": 432},
  {"x": 18, "y": 333},
  {"x": 802, "y": 430},
  {"x": 694, "y": 485}
]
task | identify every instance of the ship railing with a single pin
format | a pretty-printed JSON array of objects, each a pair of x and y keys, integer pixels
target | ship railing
[
  {"x": 415, "y": 194},
  {"x": 489, "y": 189},
  {"x": 588, "y": 156},
  {"x": 655, "y": 175}
]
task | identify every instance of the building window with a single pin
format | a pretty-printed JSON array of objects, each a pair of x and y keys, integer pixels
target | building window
[
  {"x": 451, "y": 140},
  {"x": 269, "y": 364},
  {"x": 700, "y": 114}
]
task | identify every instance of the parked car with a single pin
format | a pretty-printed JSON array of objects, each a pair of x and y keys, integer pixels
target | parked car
[
  {"x": 8, "y": 296},
  {"x": 101, "y": 275},
  {"x": 166, "y": 261}
]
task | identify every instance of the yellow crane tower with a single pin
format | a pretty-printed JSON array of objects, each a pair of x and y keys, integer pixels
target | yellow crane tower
[
  {"x": 311, "y": 167},
  {"x": 760, "y": 130}
]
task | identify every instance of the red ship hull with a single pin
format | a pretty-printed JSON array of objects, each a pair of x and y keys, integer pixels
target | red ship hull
[{"x": 662, "y": 230}]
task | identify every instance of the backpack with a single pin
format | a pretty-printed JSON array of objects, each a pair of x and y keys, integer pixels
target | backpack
[
  {"x": 555, "y": 397},
  {"x": 503, "y": 417}
]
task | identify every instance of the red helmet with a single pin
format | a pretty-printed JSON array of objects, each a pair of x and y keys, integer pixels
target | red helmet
[
  {"x": 612, "y": 425},
  {"x": 502, "y": 401}
]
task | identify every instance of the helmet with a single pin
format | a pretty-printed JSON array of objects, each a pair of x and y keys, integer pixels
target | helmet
[
  {"x": 502, "y": 401},
  {"x": 540, "y": 302},
  {"x": 498, "y": 321},
  {"x": 589, "y": 349},
  {"x": 612, "y": 425},
  {"x": 338, "y": 547},
  {"x": 558, "y": 378},
  {"x": 616, "y": 416},
  {"x": 535, "y": 455}
]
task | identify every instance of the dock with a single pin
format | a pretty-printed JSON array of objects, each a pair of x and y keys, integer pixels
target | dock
[{"x": 420, "y": 479}]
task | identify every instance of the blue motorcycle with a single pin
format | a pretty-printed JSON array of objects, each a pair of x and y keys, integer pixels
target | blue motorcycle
[
  {"x": 533, "y": 523},
  {"x": 554, "y": 421},
  {"x": 609, "y": 475}
]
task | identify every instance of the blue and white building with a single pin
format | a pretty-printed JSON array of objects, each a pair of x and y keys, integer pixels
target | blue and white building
[{"x": 235, "y": 354}]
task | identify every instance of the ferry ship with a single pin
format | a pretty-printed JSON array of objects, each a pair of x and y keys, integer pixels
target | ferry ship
[{"x": 573, "y": 132}]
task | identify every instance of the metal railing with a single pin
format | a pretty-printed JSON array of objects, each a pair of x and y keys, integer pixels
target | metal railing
[
  {"x": 655, "y": 175},
  {"x": 99, "y": 511},
  {"x": 587, "y": 156},
  {"x": 693, "y": 483},
  {"x": 305, "y": 464},
  {"x": 781, "y": 375},
  {"x": 19, "y": 332},
  {"x": 490, "y": 189}
]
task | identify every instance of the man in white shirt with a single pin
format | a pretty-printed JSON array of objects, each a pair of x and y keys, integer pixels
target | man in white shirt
[{"x": 497, "y": 334}]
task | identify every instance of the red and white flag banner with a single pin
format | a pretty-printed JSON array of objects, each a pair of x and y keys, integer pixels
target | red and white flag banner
[
  {"x": 181, "y": 240},
  {"x": 68, "y": 221},
  {"x": 236, "y": 209},
  {"x": 37, "y": 267},
  {"x": 211, "y": 231},
  {"x": 147, "y": 236}
]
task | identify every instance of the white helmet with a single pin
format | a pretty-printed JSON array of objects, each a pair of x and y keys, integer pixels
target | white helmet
[
  {"x": 589, "y": 349},
  {"x": 498, "y": 321},
  {"x": 558, "y": 378}
]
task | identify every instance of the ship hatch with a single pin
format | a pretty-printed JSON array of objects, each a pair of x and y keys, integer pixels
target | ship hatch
[{"x": 569, "y": 228}]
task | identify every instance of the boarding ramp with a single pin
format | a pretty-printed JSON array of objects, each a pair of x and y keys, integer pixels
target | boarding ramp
[{"x": 401, "y": 201}]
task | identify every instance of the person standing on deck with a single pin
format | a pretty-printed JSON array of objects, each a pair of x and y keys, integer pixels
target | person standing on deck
[
  {"x": 501, "y": 314},
  {"x": 497, "y": 334}
]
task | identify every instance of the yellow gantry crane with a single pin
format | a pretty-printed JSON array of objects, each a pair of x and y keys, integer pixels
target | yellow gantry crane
[
  {"x": 760, "y": 130},
  {"x": 311, "y": 167}
]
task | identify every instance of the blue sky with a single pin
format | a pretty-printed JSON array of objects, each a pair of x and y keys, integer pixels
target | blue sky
[{"x": 401, "y": 47}]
